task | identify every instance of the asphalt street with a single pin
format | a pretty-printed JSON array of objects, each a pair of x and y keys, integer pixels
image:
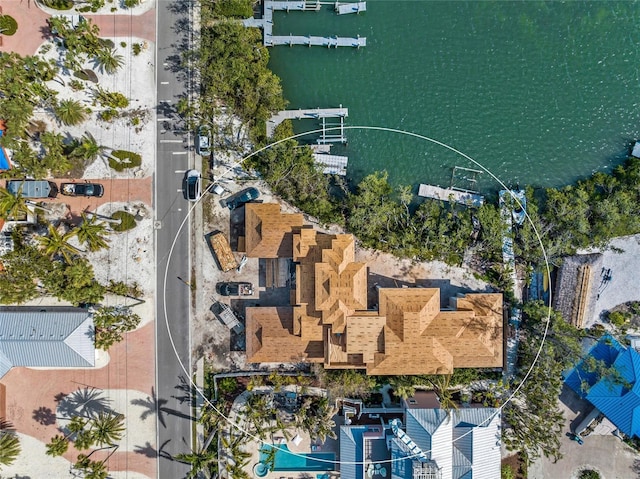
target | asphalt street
[{"x": 174, "y": 150}]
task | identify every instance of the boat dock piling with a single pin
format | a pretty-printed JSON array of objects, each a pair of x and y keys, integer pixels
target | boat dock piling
[
  {"x": 271, "y": 40},
  {"x": 311, "y": 114}
]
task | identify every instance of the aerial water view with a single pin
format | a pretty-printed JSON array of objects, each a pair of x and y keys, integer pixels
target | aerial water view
[
  {"x": 313, "y": 239},
  {"x": 540, "y": 93}
]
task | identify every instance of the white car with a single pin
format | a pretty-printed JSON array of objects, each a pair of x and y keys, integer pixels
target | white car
[
  {"x": 203, "y": 141},
  {"x": 194, "y": 185}
]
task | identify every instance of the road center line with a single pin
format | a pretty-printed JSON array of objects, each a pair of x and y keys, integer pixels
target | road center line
[
  {"x": 178, "y": 152},
  {"x": 171, "y": 141}
]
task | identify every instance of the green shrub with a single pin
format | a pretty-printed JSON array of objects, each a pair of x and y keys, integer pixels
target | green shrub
[
  {"x": 8, "y": 25},
  {"x": 137, "y": 48},
  {"x": 76, "y": 85},
  {"x": 84, "y": 9},
  {"x": 123, "y": 44},
  {"x": 127, "y": 221},
  {"x": 589, "y": 474},
  {"x": 114, "y": 9},
  {"x": 506, "y": 472},
  {"x": 106, "y": 43},
  {"x": 128, "y": 160},
  {"x": 109, "y": 115},
  {"x": 233, "y": 8},
  {"x": 618, "y": 318},
  {"x": 131, "y": 3},
  {"x": 112, "y": 99},
  {"x": 59, "y": 4}
]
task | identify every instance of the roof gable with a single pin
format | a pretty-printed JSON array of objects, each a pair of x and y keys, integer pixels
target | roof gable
[{"x": 55, "y": 337}]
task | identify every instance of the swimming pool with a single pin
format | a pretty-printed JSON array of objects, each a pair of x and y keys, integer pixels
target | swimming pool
[{"x": 287, "y": 461}]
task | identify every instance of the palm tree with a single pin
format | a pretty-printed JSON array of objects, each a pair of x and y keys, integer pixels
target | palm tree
[
  {"x": 107, "y": 428},
  {"x": 9, "y": 443},
  {"x": 12, "y": 205},
  {"x": 70, "y": 112},
  {"x": 91, "y": 233},
  {"x": 108, "y": 60},
  {"x": 57, "y": 244},
  {"x": 88, "y": 149},
  {"x": 57, "y": 446},
  {"x": 200, "y": 461}
]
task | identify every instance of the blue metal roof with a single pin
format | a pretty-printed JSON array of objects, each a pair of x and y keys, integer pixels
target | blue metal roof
[
  {"x": 52, "y": 337},
  {"x": 617, "y": 399}
]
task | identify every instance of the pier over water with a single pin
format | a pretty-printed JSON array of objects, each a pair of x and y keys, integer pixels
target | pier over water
[{"x": 270, "y": 40}]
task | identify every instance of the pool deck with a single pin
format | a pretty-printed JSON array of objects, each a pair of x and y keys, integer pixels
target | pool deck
[{"x": 304, "y": 447}]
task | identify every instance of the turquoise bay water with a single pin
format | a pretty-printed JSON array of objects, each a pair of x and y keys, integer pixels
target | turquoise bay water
[{"x": 540, "y": 93}]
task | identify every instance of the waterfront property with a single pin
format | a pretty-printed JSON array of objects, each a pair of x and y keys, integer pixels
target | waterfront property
[{"x": 329, "y": 321}]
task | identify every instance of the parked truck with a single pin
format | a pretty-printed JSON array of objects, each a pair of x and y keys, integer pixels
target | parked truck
[{"x": 222, "y": 250}]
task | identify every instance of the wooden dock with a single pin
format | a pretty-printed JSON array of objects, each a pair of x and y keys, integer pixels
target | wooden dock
[
  {"x": 271, "y": 40},
  {"x": 308, "y": 114},
  {"x": 449, "y": 194}
]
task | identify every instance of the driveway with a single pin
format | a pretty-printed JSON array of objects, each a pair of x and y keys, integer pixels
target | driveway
[
  {"x": 32, "y": 27},
  {"x": 608, "y": 454},
  {"x": 115, "y": 191}
]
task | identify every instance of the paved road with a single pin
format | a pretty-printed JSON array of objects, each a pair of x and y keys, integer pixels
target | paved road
[{"x": 172, "y": 339}]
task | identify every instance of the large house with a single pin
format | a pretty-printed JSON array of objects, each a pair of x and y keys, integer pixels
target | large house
[
  {"x": 46, "y": 337},
  {"x": 616, "y": 395},
  {"x": 431, "y": 443},
  {"x": 329, "y": 321}
]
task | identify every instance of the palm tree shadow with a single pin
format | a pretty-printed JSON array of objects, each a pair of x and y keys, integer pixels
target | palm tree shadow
[
  {"x": 184, "y": 386},
  {"x": 146, "y": 450},
  {"x": 86, "y": 402},
  {"x": 153, "y": 406},
  {"x": 44, "y": 415}
]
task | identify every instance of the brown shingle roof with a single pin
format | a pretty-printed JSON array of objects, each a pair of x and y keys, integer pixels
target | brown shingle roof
[
  {"x": 268, "y": 230},
  {"x": 408, "y": 335}
]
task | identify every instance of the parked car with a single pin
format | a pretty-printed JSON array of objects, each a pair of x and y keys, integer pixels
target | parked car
[
  {"x": 82, "y": 189},
  {"x": 234, "y": 288},
  {"x": 241, "y": 197},
  {"x": 194, "y": 185},
  {"x": 203, "y": 141}
]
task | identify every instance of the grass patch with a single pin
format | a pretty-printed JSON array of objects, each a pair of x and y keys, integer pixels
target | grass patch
[
  {"x": 127, "y": 159},
  {"x": 127, "y": 221},
  {"x": 8, "y": 25}
]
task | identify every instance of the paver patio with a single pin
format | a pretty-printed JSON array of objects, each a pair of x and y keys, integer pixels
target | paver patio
[{"x": 131, "y": 367}]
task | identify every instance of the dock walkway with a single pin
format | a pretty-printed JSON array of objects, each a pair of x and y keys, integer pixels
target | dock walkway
[
  {"x": 271, "y": 40},
  {"x": 308, "y": 114},
  {"x": 346, "y": 8},
  {"x": 332, "y": 164},
  {"x": 447, "y": 194}
]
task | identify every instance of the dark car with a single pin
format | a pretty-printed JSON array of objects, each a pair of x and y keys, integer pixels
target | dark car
[
  {"x": 82, "y": 189},
  {"x": 241, "y": 197},
  {"x": 233, "y": 288}
]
